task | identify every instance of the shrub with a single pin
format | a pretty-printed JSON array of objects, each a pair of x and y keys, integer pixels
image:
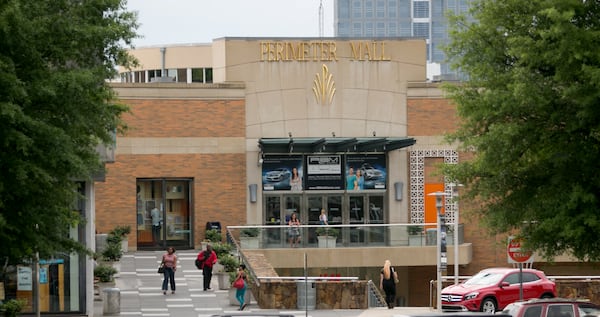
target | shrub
[
  {"x": 221, "y": 249},
  {"x": 415, "y": 229},
  {"x": 214, "y": 235},
  {"x": 105, "y": 273},
  {"x": 230, "y": 263},
  {"x": 12, "y": 307},
  {"x": 327, "y": 231},
  {"x": 250, "y": 232},
  {"x": 113, "y": 251},
  {"x": 121, "y": 231}
]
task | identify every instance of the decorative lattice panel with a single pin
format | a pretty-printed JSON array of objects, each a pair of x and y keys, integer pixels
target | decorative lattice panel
[{"x": 417, "y": 184}]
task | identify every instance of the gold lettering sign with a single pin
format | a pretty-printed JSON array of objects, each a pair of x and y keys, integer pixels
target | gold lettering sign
[{"x": 321, "y": 51}]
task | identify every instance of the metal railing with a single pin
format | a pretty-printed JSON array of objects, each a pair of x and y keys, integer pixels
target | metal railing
[
  {"x": 376, "y": 299},
  {"x": 341, "y": 235}
]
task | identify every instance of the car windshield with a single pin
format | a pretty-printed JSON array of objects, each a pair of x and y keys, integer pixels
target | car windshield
[{"x": 484, "y": 278}]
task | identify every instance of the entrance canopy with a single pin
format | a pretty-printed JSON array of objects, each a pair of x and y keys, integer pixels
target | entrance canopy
[{"x": 332, "y": 145}]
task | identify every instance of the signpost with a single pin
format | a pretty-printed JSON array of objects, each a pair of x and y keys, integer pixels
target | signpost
[{"x": 516, "y": 254}]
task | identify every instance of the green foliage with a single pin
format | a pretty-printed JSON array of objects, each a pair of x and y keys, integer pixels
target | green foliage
[
  {"x": 57, "y": 108},
  {"x": 327, "y": 231},
  {"x": 120, "y": 231},
  {"x": 113, "y": 250},
  {"x": 12, "y": 307},
  {"x": 213, "y": 235},
  {"x": 415, "y": 229},
  {"x": 229, "y": 262},
  {"x": 105, "y": 273},
  {"x": 529, "y": 112},
  {"x": 221, "y": 249},
  {"x": 250, "y": 232}
]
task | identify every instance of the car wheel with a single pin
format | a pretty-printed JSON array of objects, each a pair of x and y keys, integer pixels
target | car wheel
[
  {"x": 546, "y": 296},
  {"x": 488, "y": 305}
]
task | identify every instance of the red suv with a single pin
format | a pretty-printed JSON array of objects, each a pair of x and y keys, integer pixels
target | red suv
[
  {"x": 492, "y": 289},
  {"x": 555, "y": 307}
]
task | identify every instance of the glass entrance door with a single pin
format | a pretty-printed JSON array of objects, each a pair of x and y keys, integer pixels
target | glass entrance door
[
  {"x": 163, "y": 213},
  {"x": 356, "y": 208}
]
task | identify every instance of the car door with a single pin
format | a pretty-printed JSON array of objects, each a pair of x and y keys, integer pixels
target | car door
[
  {"x": 508, "y": 293},
  {"x": 532, "y": 288}
]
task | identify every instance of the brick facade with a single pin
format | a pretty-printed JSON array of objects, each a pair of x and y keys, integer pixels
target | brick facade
[{"x": 219, "y": 181}]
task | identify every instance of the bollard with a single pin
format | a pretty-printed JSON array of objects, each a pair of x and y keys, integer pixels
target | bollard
[{"x": 112, "y": 301}]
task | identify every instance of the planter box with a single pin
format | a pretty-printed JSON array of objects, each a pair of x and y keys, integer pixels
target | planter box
[
  {"x": 223, "y": 280},
  {"x": 327, "y": 241},
  {"x": 249, "y": 243},
  {"x": 416, "y": 240},
  {"x": 125, "y": 245}
]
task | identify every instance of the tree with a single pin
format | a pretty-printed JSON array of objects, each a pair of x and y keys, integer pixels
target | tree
[
  {"x": 530, "y": 112},
  {"x": 55, "y": 108}
]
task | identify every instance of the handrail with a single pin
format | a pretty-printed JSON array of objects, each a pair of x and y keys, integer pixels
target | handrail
[
  {"x": 244, "y": 259},
  {"x": 276, "y": 235},
  {"x": 375, "y": 291},
  {"x": 350, "y": 278}
]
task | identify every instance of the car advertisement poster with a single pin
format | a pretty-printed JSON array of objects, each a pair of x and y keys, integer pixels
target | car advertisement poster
[
  {"x": 365, "y": 172},
  {"x": 283, "y": 172},
  {"x": 324, "y": 172}
]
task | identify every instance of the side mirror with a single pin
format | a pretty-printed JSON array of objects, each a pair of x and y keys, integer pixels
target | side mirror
[{"x": 504, "y": 284}]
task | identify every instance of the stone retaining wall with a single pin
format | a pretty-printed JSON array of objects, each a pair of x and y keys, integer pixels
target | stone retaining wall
[
  {"x": 282, "y": 294},
  {"x": 589, "y": 290}
]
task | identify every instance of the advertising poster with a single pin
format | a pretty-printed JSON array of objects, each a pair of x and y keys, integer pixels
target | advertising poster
[
  {"x": 324, "y": 172},
  {"x": 283, "y": 172},
  {"x": 24, "y": 278},
  {"x": 365, "y": 172}
]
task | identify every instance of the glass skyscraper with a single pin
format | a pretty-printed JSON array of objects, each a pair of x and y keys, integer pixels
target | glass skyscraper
[{"x": 400, "y": 18}]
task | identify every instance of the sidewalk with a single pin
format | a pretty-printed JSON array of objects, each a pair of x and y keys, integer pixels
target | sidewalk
[{"x": 141, "y": 293}]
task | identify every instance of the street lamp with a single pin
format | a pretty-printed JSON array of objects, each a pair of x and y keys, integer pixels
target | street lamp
[
  {"x": 455, "y": 211},
  {"x": 441, "y": 250}
]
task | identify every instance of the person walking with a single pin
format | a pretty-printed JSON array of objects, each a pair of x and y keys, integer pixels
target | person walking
[
  {"x": 169, "y": 262},
  {"x": 207, "y": 258},
  {"x": 240, "y": 293},
  {"x": 387, "y": 282}
]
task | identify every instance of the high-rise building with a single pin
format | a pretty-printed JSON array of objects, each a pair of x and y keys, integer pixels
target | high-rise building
[{"x": 401, "y": 18}]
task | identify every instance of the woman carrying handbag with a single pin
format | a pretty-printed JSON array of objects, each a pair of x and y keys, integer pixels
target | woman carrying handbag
[{"x": 240, "y": 285}]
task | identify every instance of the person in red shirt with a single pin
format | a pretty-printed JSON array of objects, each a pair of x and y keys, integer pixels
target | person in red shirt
[{"x": 207, "y": 258}]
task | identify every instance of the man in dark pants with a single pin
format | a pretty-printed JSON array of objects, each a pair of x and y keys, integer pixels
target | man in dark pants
[{"x": 208, "y": 258}]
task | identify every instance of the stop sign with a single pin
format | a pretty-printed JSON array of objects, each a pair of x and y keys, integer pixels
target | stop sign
[{"x": 515, "y": 254}]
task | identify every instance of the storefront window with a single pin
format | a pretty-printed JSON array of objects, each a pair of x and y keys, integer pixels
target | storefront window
[{"x": 60, "y": 279}]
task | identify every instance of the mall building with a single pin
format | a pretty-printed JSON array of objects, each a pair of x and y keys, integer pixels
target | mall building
[{"x": 248, "y": 131}]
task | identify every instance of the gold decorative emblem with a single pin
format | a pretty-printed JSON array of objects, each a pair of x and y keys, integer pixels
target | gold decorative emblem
[{"x": 324, "y": 87}]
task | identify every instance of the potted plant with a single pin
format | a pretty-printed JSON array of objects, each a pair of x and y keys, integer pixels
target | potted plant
[
  {"x": 249, "y": 238},
  {"x": 213, "y": 235},
  {"x": 122, "y": 232},
  {"x": 104, "y": 273},
  {"x": 230, "y": 264},
  {"x": 327, "y": 236},
  {"x": 415, "y": 235}
]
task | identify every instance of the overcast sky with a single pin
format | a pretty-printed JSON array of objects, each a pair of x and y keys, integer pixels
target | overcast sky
[{"x": 165, "y": 22}]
